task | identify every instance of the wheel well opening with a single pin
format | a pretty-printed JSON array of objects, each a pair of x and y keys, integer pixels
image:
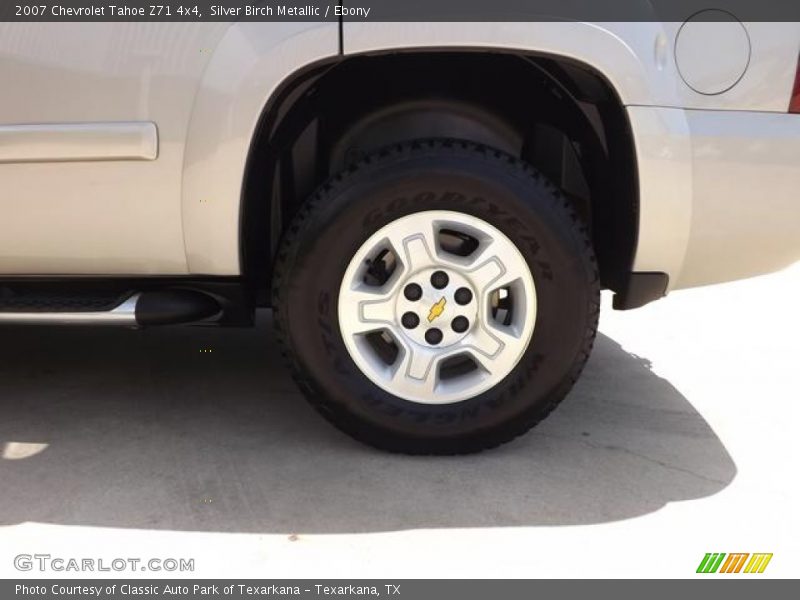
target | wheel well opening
[{"x": 560, "y": 116}]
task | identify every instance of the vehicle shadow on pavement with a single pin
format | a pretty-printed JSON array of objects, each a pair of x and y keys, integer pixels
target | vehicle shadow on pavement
[{"x": 202, "y": 429}]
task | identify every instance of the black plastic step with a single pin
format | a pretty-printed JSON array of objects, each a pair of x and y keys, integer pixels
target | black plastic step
[
  {"x": 26, "y": 306},
  {"x": 166, "y": 307},
  {"x": 47, "y": 302}
]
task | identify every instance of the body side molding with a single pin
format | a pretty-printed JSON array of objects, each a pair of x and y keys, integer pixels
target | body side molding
[{"x": 61, "y": 142}]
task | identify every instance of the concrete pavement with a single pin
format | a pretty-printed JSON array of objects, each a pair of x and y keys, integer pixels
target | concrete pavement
[{"x": 680, "y": 439}]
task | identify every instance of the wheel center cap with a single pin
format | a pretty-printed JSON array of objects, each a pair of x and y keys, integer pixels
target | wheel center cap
[{"x": 436, "y": 307}]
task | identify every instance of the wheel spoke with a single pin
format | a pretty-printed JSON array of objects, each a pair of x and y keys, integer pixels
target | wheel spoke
[
  {"x": 417, "y": 369},
  {"x": 375, "y": 310},
  {"x": 380, "y": 311},
  {"x": 488, "y": 274},
  {"x": 492, "y": 345},
  {"x": 416, "y": 250},
  {"x": 484, "y": 345},
  {"x": 496, "y": 264}
]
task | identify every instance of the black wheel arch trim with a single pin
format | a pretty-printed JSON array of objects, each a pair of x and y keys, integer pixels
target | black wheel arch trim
[{"x": 642, "y": 288}]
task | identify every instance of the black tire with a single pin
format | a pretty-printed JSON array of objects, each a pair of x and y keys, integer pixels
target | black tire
[{"x": 430, "y": 175}]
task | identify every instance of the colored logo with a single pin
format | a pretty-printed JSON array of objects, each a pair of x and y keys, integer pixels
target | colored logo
[
  {"x": 719, "y": 562},
  {"x": 437, "y": 309}
]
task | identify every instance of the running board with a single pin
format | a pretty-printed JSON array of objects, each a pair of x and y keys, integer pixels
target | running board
[{"x": 164, "y": 307}]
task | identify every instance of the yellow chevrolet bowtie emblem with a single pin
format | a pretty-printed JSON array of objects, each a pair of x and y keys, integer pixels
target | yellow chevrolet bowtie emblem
[{"x": 437, "y": 309}]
